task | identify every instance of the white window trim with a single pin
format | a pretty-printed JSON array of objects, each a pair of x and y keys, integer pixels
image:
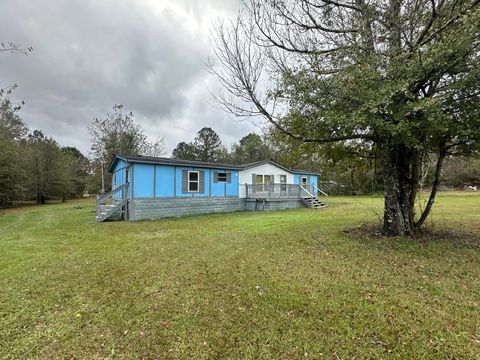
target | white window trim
[
  {"x": 306, "y": 180},
  {"x": 263, "y": 178},
  {"x": 193, "y": 181}
]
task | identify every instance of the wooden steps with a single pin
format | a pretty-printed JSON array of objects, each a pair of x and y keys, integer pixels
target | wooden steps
[
  {"x": 113, "y": 204},
  {"x": 314, "y": 203},
  {"x": 105, "y": 212}
]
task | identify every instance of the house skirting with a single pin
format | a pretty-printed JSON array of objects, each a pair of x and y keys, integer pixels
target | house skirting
[
  {"x": 272, "y": 204},
  {"x": 146, "y": 208},
  {"x": 140, "y": 209}
]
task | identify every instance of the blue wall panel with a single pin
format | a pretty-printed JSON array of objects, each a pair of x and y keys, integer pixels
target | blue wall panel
[
  {"x": 232, "y": 188},
  {"x": 218, "y": 189},
  {"x": 225, "y": 189},
  {"x": 179, "y": 172},
  {"x": 119, "y": 176},
  {"x": 143, "y": 180},
  {"x": 313, "y": 179},
  {"x": 165, "y": 181}
]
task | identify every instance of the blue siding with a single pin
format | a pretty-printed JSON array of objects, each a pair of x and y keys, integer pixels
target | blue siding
[
  {"x": 178, "y": 176},
  {"x": 233, "y": 187},
  {"x": 119, "y": 176},
  {"x": 120, "y": 164},
  {"x": 225, "y": 189},
  {"x": 164, "y": 181},
  {"x": 313, "y": 179},
  {"x": 143, "y": 180}
]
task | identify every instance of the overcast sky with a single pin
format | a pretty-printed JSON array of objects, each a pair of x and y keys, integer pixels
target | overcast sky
[{"x": 148, "y": 55}]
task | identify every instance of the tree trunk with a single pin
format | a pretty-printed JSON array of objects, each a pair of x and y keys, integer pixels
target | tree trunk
[
  {"x": 400, "y": 183},
  {"x": 438, "y": 171}
]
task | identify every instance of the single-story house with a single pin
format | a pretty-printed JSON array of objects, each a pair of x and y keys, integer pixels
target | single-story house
[{"x": 147, "y": 187}]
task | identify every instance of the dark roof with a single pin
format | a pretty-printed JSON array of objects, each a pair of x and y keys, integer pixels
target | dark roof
[
  {"x": 196, "y": 163},
  {"x": 169, "y": 161}
]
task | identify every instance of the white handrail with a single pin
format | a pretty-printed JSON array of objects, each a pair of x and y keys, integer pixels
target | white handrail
[
  {"x": 100, "y": 198},
  {"x": 323, "y": 193},
  {"x": 308, "y": 192}
]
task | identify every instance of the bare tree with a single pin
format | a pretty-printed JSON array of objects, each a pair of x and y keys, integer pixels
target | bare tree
[{"x": 12, "y": 47}]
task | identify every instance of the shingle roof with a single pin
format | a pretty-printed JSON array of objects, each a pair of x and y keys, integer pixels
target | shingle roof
[{"x": 196, "y": 163}]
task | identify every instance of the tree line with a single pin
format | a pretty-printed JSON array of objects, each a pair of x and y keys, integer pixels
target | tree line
[
  {"x": 207, "y": 146},
  {"x": 34, "y": 167}
]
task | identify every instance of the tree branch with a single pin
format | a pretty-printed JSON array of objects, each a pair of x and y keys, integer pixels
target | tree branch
[{"x": 436, "y": 182}]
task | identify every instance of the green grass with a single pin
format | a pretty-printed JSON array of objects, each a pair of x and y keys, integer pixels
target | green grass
[{"x": 290, "y": 284}]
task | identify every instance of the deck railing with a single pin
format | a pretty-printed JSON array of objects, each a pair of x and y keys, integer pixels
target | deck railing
[
  {"x": 280, "y": 191},
  {"x": 320, "y": 191}
]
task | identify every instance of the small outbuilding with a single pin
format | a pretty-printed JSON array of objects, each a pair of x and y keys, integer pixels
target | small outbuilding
[{"x": 147, "y": 187}]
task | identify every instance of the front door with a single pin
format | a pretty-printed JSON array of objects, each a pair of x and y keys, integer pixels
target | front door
[
  {"x": 304, "y": 181},
  {"x": 283, "y": 183}
]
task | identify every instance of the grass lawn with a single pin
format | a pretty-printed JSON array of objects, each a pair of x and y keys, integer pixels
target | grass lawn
[{"x": 288, "y": 284}]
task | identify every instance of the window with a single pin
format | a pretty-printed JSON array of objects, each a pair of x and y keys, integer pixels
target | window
[
  {"x": 262, "y": 179},
  {"x": 304, "y": 180},
  {"x": 222, "y": 177},
  {"x": 262, "y": 182},
  {"x": 193, "y": 181}
]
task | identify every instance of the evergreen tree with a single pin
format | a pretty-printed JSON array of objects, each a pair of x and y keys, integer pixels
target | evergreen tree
[
  {"x": 251, "y": 148},
  {"x": 184, "y": 151},
  {"x": 207, "y": 145},
  {"x": 47, "y": 174},
  {"x": 12, "y": 133}
]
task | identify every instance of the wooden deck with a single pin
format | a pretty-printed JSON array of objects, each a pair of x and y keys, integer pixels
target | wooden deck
[{"x": 264, "y": 194}]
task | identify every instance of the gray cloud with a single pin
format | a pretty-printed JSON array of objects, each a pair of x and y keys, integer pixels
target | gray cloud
[{"x": 89, "y": 55}]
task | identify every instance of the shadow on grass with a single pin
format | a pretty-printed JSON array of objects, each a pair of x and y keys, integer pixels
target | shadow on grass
[{"x": 370, "y": 233}]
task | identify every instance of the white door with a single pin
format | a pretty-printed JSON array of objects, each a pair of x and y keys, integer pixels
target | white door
[{"x": 304, "y": 181}]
